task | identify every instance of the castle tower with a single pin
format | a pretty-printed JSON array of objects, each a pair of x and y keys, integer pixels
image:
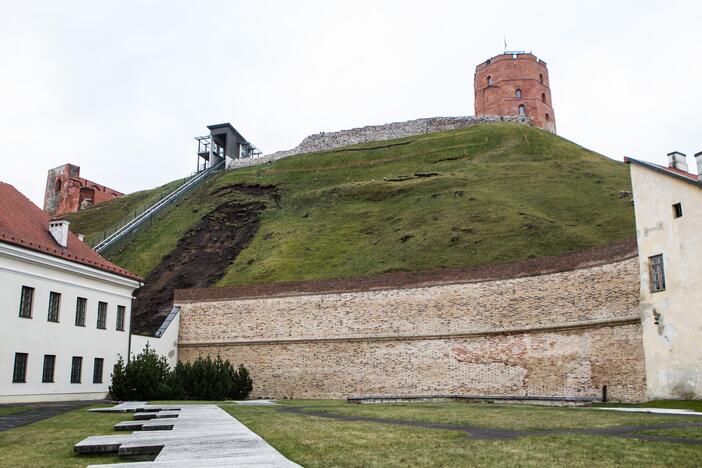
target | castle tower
[{"x": 515, "y": 83}]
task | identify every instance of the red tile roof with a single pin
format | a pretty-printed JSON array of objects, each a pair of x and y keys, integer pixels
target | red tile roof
[{"x": 24, "y": 224}]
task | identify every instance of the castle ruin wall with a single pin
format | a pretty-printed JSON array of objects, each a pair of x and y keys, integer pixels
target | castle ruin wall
[{"x": 326, "y": 141}]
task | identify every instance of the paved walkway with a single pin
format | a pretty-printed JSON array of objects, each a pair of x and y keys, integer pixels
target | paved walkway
[
  {"x": 493, "y": 433},
  {"x": 38, "y": 412},
  {"x": 184, "y": 436}
]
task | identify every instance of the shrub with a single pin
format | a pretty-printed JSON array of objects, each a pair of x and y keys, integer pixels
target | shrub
[
  {"x": 242, "y": 384},
  {"x": 148, "y": 377},
  {"x": 145, "y": 377}
]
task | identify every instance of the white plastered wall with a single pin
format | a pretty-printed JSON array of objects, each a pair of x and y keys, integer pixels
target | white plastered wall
[
  {"x": 673, "y": 346},
  {"x": 165, "y": 345},
  {"x": 37, "y": 336}
]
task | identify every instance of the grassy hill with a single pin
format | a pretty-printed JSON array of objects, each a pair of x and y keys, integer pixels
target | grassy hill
[{"x": 489, "y": 193}]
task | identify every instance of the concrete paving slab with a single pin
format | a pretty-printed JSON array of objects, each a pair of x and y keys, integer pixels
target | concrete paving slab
[
  {"x": 679, "y": 412},
  {"x": 125, "y": 407},
  {"x": 201, "y": 435},
  {"x": 254, "y": 402}
]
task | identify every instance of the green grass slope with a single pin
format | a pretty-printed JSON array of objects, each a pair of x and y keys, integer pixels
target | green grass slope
[{"x": 484, "y": 194}]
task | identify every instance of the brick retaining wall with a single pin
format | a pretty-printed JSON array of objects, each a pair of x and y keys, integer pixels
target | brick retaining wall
[{"x": 564, "y": 333}]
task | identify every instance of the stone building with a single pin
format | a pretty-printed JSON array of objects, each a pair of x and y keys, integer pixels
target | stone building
[
  {"x": 515, "y": 83},
  {"x": 67, "y": 192},
  {"x": 668, "y": 204}
]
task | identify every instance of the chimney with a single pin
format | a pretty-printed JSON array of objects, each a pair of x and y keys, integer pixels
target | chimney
[
  {"x": 81, "y": 236},
  {"x": 677, "y": 160},
  {"x": 59, "y": 229},
  {"x": 698, "y": 158}
]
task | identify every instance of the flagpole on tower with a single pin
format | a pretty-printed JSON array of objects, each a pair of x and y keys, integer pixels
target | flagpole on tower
[{"x": 505, "y": 41}]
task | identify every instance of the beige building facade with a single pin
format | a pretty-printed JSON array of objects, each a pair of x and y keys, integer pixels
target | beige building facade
[{"x": 668, "y": 204}]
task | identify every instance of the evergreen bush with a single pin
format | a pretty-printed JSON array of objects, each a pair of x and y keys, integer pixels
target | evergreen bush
[{"x": 148, "y": 377}]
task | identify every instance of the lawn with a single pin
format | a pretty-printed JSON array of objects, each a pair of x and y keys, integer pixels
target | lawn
[
  {"x": 316, "y": 441},
  {"x": 49, "y": 443}
]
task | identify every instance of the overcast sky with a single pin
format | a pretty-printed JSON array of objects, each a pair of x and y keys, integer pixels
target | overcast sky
[{"x": 121, "y": 88}]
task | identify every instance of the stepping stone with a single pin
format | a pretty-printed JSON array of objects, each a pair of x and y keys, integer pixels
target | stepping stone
[
  {"x": 99, "y": 444},
  {"x": 129, "y": 426},
  {"x": 139, "y": 416},
  {"x": 127, "y": 406}
]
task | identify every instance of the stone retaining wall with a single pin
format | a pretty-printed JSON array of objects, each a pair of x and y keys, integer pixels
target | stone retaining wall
[
  {"x": 331, "y": 140},
  {"x": 566, "y": 333}
]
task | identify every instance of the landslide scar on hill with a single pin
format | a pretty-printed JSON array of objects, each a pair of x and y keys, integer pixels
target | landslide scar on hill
[{"x": 202, "y": 255}]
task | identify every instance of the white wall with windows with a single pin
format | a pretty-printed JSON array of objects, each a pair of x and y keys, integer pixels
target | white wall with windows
[
  {"x": 669, "y": 235},
  {"x": 62, "y": 327}
]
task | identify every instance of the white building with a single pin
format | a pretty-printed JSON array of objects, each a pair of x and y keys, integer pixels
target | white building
[
  {"x": 668, "y": 206},
  {"x": 64, "y": 310}
]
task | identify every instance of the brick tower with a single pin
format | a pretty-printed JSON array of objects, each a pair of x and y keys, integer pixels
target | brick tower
[{"x": 515, "y": 83}]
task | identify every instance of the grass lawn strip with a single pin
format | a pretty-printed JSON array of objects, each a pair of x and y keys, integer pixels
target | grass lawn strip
[
  {"x": 49, "y": 443},
  {"x": 313, "y": 441},
  {"x": 12, "y": 409}
]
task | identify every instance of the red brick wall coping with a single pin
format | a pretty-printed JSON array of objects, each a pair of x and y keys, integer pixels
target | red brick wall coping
[{"x": 614, "y": 252}]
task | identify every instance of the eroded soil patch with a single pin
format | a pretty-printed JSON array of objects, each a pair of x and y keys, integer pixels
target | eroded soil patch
[{"x": 201, "y": 257}]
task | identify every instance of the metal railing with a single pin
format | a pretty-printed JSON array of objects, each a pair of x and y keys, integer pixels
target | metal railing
[
  {"x": 131, "y": 223},
  {"x": 167, "y": 321}
]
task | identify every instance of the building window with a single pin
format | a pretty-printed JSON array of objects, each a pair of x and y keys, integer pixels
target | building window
[
  {"x": 522, "y": 111},
  {"x": 656, "y": 273},
  {"x": 543, "y": 98},
  {"x": 19, "y": 374},
  {"x": 120, "y": 317},
  {"x": 76, "y": 368},
  {"x": 102, "y": 315},
  {"x": 677, "y": 210},
  {"x": 26, "y": 300},
  {"x": 47, "y": 376},
  {"x": 518, "y": 94},
  {"x": 97, "y": 370},
  {"x": 541, "y": 78},
  {"x": 489, "y": 81},
  {"x": 81, "y": 306},
  {"x": 54, "y": 305}
]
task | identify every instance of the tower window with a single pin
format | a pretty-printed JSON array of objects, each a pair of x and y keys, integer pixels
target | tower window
[
  {"x": 489, "y": 81},
  {"x": 548, "y": 117},
  {"x": 518, "y": 94},
  {"x": 541, "y": 78},
  {"x": 58, "y": 185},
  {"x": 522, "y": 111},
  {"x": 543, "y": 97}
]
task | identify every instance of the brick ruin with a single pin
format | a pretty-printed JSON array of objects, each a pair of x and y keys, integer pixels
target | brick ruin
[
  {"x": 563, "y": 326},
  {"x": 515, "y": 84},
  {"x": 67, "y": 192}
]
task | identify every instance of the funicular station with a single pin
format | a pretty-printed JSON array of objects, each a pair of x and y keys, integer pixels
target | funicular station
[{"x": 223, "y": 144}]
